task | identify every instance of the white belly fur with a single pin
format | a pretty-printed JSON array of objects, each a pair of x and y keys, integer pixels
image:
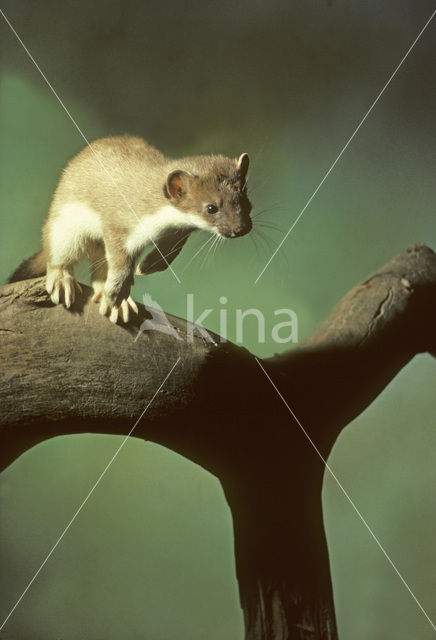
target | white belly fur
[
  {"x": 150, "y": 226},
  {"x": 69, "y": 231}
]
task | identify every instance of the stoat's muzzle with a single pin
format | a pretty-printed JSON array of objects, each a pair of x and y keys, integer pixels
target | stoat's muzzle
[{"x": 238, "y": 230}]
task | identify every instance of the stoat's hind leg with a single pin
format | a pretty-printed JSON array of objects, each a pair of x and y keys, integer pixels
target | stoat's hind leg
[{"x": 61, "y": 285}]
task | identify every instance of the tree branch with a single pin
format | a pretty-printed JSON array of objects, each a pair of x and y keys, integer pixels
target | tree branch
[{"x": 73, "y": 372}]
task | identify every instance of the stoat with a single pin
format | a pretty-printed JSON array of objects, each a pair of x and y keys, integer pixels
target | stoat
[{"x": 121, "y": 196}]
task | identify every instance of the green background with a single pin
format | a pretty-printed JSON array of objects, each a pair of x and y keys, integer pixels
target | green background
[{"x": 151, "y": 554}]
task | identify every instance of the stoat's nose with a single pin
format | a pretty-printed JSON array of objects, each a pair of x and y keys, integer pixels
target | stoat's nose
[{"x": 242, "y": 229}]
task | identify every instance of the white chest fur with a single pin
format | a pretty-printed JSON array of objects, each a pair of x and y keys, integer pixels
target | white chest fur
[{"x": 151, "y": 226}]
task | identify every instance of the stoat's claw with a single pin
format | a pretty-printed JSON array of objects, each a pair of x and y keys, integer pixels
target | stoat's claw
[
  {"x": 124, "y": 308},
  {"x": 118, "y": 313},
  {"x": 132, "y": 304},
  {"x": 68, "y": 296},
  {"x": 61, "y": 286},
  {"x": 104, "y": 307},
  {"x": 113, "y": 317}
]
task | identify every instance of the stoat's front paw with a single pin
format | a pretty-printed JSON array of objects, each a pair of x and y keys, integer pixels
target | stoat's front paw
[
  {"x": 122, "y": 312},
  {"x": 61, "y": 286}
]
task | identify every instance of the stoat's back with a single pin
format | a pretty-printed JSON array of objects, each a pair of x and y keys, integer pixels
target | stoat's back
[{"x": 115, "y": 177}]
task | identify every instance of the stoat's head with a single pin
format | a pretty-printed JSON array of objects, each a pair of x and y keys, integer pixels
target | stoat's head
[{"x": 214, "y": 189}]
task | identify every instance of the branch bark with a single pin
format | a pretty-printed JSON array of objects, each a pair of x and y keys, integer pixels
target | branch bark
[{"x": 73, "y": 372}]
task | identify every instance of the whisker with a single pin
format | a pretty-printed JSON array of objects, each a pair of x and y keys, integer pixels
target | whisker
[
  {"x": 219, "y": 244},
  {"x": 266, "y": 238},
  {"x": 165, "y": 255},
  {"x": 253, "y": 240},
  {"x": 209, "y": 251},
  {"x": 267, "y": 241},
  {"x": 275, "y": 206},
  {"x": 95, "y": 264},
  {"x": 197, "y": 252},
  {"x": 256, "y": 184},
  {"x": 268, "y": 225},
  {"x": 206, "y": 253},
  {"x": 267, "y": 244}
]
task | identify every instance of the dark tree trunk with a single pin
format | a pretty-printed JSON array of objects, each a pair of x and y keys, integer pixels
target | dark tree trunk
[{"x": 73, "y": 372}]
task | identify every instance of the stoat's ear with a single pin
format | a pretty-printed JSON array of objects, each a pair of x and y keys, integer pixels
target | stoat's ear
[
  {"x": 177, "y": 183},
  {"x": 242, "y": 165}
]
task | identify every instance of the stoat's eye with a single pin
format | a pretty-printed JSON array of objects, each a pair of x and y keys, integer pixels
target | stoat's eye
[{"x": 211, "y": 209}]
